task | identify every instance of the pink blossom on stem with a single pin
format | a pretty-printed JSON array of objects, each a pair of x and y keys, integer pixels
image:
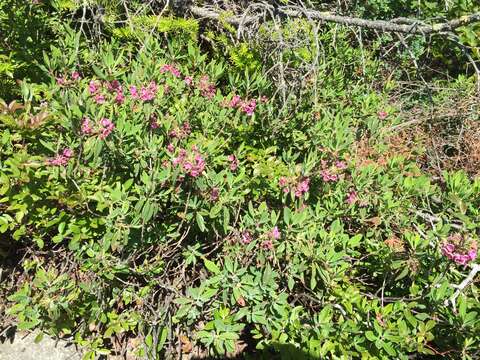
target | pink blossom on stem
[
  {"x": 133, "y": 92},
  {"x": 382, "y": 115},
  {"x": 214, "y": 194},
  {"x": 67, "y": 153},
  {"x": 188, "y": 80},
  {"x": 248, "y": 107},
  {"x": 61, "y": 159},
  {"x": 92, "y": 87},
  {"x": 108, "y": 127},
  {"x": 282, "y": 181},
  {"x": 171, "y": 69},
  {"x": 86, "y": 127},
  {"x": 275, "y": 234},
  {"x": 246, "y": 237},
  {"x": 119, "y": 97},
  {"x": 302, "y": 187},
  {"x": 170, "y": 148},
  {"x": 207, "y": 89},
  {"x": 341, "y": 165},
  {"x": 61, "y": 81},
  {"x": 352, "y": 197},
  {"x": 267, "y": 245},
  {"x": 99, "y": 99},
  {"x": 235, "y": 102},
  {"x": 113, "y": 85},
  {"x": 233, "y": 162},
  {"x": 75, "y": 76}
]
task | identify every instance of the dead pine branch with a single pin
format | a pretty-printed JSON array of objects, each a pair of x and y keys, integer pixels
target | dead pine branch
[
  {"x": 411, "y": 27},
  {"x": 463, "y": 285}
]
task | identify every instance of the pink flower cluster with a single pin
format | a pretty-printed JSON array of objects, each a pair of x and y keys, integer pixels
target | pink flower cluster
[
  {"x": 246, "y": 237},
  {"x": 146, "y": 93},
  {"x": 105, "y": 128},
  {"x": 352, "y": 197},
  {"x": 61, "y": 159},
  {"x": 113, "y": 87},
  {"x": 450, "y": 250},
  {"x": 214, "y": 194},
  {"x": 382, "y": 115},
  {"x": 181, "y": 132},
  {"x": 233, "y": 162},
  {"x": 207, "y": 89},
  {"x": 63, "y": 80},
  {"x": 330, "y": 173},
  {"x": 192, "y": 164},
  {"x": 268, "y": 238},
  {"x": 247, "y": 106},
  {"x": 171, "y": 69},
  {"x": 299, "y": 187}
]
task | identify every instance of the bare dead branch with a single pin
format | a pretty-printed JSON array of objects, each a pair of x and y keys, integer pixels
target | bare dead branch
[{"x": 413, "y": 27}]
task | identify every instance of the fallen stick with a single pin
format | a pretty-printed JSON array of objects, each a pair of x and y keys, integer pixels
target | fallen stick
[{"x": 415, "y": 27}]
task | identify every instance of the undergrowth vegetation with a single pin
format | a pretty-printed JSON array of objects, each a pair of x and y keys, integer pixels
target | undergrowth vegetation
[{"x": 161, "y": 197}]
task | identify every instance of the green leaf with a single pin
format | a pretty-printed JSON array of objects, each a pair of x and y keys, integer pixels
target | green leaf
[
  {"x": 38, "y": 338},
  {"x": 200, "y": 222},
  {"x": 370, "y": 336},
  {"x": 211, "y": 266}
]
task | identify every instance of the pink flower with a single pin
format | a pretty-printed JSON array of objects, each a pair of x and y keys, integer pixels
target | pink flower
[
  {"x": 282, "y": 181},
  {"x": 108, "y": 127},
  {"x": 119, "y": 98},
  {"x": 188, "y": 80},
  {"x": 171, "y": 69},
  {"x": 448, "y": 249},
  {"x": 472, "y": 254},
  {"x": 154, "y": 124},
  {"x": 461, "y": 259},
  {"x": 327, "y": 176},
  {"x": 302, "y": 187},
  {"x": 382, "y": 115},
  {"x": 61, "y": 159},
  {"x": 246, "y": 237},
  {"x": 113, "y": 85},
  {"x": 275, "y": 233},
  {"x": 133, "y": 92},
  {"x": 233, "y": 162},
  {"x": 148, "y": 93},
  {"x": 61, "y": 81},
  {"x": 235, "y": 101},
  {"x": 86, "y": 128},
  {"x": 75, "y": 76},
  {"x": 67, "y": 152},
  {"x": 170, "y": 148},
  {"x": 207, "y": 89},
  {"x": 99, "y": 99},
  {"x": 92, "y": 87},
  {"x": 214, "y": 194},
  {"x": 248, "y": 107},
  {"x": 352, "y": 197},
  {"x": 341, "y": 165},
  {"x": 187, "y": 166},
  {"x": 267, "y": 245},
  {"x": 186, "y": 127}
]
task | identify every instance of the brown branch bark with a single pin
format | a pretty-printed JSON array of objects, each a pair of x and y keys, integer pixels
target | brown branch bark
[{"x": 382, "y": 25}]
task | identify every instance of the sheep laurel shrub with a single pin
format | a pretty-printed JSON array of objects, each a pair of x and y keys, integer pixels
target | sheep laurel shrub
[{"x": 170, "y": 198}]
